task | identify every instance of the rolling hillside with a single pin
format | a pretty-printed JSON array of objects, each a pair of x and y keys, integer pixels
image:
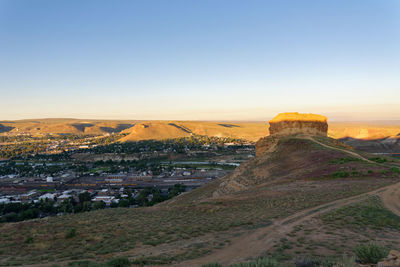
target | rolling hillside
[
  {"x": 67, "y": 126},
  {"x": 265, "y": 201},
  {"x": 173, "y": 129},
  {"x": 374, "y": 137}
]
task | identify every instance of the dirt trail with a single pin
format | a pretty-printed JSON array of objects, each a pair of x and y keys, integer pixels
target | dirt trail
[
  {"x": 261, "y": 240},
  {"x": 354, "y": 154},
  {"x": 258, "y": 241},
  {"x": 391, "y": 198}
]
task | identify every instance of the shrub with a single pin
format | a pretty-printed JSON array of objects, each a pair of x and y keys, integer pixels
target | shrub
[
  {"x": 84, "y": 264},
  {"x": 340, "y": 174},
  {"x": 370, "y": 253},
  {"x": 344, "y": 160},
  {"x": 378, "y": 160},
  {"x": 260, "y": 262},
  {"x": 71, "y": 233},
  {"x": 214, "y": 264},
  {"x": 395, "y": 170},
  {"x": 346, "y": 262},
  {"x": 305, "y": 263},
  {"x": 119, "y": 262},
  {"x": 29, "y": 240}
]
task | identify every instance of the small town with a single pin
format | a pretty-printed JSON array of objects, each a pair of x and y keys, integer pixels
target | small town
[{"x": 87, "y": 175}]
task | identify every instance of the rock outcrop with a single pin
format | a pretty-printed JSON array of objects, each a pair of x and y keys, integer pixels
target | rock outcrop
[
  {"x": 392, "y": 260},
  {"x": 291, "y": 123}
]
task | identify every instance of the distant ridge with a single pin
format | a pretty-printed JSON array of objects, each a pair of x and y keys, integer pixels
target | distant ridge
[{"x": 251, "y": 131}]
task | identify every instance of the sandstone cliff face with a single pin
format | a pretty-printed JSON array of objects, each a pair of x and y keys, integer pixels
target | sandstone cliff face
[
  {"x": 293, "y": 127},
  {"x": 291, "y": 123},
  {"x": 265, "y": 145}
]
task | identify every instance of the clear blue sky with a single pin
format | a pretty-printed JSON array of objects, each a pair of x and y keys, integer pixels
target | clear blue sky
[{"x": 200, "y": 60}]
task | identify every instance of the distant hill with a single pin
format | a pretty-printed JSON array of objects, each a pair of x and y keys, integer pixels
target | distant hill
[
  {"x": 174, "y": 129},
  {"x": 64, "y": 126},
  {"x": 366, "y": 136}
]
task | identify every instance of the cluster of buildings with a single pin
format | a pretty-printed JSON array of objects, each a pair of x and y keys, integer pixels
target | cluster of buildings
[
  {"x": 108, "y": 196},
  {"x": 104, "y": 187}
]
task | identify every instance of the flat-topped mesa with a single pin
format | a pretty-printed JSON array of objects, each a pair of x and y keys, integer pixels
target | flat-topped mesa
[
  {"x": 291, "y": 123},
  {"x": 294, "y": 123}
]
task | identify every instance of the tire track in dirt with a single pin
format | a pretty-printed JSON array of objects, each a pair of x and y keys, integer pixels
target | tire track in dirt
[
  {"x": 391, "y": 199},
  {"x": 261, "y": 240}
]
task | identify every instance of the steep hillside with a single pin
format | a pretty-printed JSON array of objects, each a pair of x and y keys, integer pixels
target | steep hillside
[{"x": 293, "y": 158}]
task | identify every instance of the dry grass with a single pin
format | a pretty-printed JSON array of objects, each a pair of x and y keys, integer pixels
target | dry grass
[{"x": 196, "y": 223}]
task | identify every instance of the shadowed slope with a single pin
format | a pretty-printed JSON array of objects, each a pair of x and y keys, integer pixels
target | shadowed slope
[
  {"x": 292, "y": 158},
  {"x": 154, "y": 131}
]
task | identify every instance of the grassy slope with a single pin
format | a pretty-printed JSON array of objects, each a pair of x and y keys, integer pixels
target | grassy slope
[
  {"x": 339, "y": 231},
  {"x": 289, "y": 180}
]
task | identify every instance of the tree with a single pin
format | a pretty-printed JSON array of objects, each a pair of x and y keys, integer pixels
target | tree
[
  {"x": 83, "y": 197},
  {"x": 99, "y": 205},
  {"x": 123, "y": 203},
  {"x": 87, "y": 206}
]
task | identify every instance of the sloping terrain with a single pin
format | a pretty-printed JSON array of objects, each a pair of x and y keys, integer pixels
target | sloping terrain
[
  {"x": 66, "y": 126},
  {"x": 174, "y": 129},
  {"x": 369, "y": 137},
  {"x": 264, "y": 200},
  {"x": 389, "y": 144},
  {"x": 155, "y": 131},
  {"x": 363, "y": 130}
]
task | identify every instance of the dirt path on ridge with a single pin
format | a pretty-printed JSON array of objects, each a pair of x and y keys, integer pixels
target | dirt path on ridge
[
  {"x": 261, "y": 240},
  {"x": 340, "y": 149},
  {"x": 391, "y": 198}
]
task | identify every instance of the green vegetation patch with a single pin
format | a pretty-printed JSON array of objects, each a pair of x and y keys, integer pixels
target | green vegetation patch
[
  {"x": 265, "y": 262},
  {"x": 113, "y": 262},
  {"x": 369, "y": 213},
  {"x": 370, "y": 253},
  {"x": 344, "y": 160},
  {"x": 378, "y": 159},
  {"x": 395, "y": 170}
]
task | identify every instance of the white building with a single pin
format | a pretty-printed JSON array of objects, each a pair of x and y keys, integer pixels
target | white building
[
  {"x": 63, "y": 197},
  {"x": 107, "y": 199},
  {"x": 4, "y": 200},
  {"x": 47, "y": 196}
]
